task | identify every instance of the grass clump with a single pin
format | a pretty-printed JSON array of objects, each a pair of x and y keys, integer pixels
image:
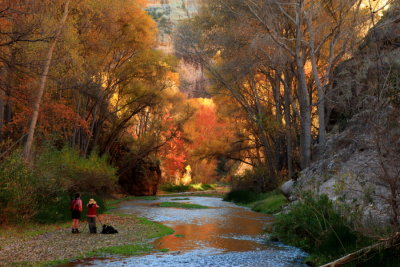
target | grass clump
[
  {"x": 315, "y": 225},
  {"x": 243, "y": 196},
  {"x": 159, "y": 229},
  {"x": 172, "y": 188},
  {"x": 220, "y": 195},
  {"x": 147, "y": 198},
  {"x": 202, "y": 187},
  {"x": 125, "y": 250},
  {"x": 269, "y": 203},
  {"x": 181, "y": 205},
  {"x": 181, "y": 198}
]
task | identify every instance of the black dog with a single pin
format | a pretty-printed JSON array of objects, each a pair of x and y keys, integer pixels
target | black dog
[{"x": 108, "y": 229}]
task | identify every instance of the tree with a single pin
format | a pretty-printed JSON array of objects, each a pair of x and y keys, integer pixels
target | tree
[
  {"x": 20, "y": 28},
  {"x": 252, "y": 86},
  {"x": 238, "y": 41},
  {"x": 208, "y": 138},
  {"x": 36, "y": 105}
]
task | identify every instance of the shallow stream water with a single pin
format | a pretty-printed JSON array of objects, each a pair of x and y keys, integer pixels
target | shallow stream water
[{"x": 222, "y": 235}]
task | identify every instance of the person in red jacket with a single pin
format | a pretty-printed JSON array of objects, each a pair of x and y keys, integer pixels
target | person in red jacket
[
  {"x": 91, "y": 215},
  {"x": 76, "y": 209}
]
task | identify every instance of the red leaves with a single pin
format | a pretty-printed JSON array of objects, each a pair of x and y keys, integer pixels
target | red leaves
[
  {"x": 173, "y": 152},
  {"x": 56, "y": 116}
]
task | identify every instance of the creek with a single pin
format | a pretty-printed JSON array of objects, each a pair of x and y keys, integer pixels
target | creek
[{"x": 222, "y": 235}]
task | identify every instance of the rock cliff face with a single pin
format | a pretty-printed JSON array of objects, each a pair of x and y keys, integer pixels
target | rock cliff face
[
  {"x": 360, "y": 163},
  {"x": 167, "y": 14}
]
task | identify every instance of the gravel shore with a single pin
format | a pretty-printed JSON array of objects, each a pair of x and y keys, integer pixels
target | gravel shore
[{"x": 59, "y": 244}]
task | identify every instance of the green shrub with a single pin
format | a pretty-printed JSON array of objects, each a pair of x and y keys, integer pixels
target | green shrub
[
  {"x": 270, "y": 202},
  {"x": 56, "y": 209},
  {"x": 257, "y": 179},
  {"x": 270, "y": 205},
  {"x": 208, "y": 186},
  {"x": 75, "y": 173},
  {"x": 201, "y": 187},
  {"x": 43, "y": 193},
  {"x": 18, "y": 186},
  {"x": 182, "y": 205},
  {"x": 315, "y": 225},
  {"x": 242, "y": 196},
  {"x": 171, "y": 188},
  {"x": 64, "y": 172}
]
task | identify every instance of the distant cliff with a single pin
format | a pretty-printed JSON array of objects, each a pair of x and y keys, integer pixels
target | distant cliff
[{"x": 167, "y": 14}]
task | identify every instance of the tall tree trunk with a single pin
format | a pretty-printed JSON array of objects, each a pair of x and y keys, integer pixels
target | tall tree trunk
[
  {"x": 3, "y": 75},
  {"x": 305, "y": 119},
  {"x": 92, "y": 129},
  {"x": 289, "y": 152},
  {"x": 268, "y": 156},
  {"x": 275, "y": 83},
  {"x": 279, "y": 138},
  {"x": 318, "y": 83},
  {"x": 8, "y": 86},
  {"x": 304, "y": 101},
  {"x": 43, "y": 80},
  {"x": 2, "y": 96}
]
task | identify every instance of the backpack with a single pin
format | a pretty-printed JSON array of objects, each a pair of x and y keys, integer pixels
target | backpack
[
  {"x": 74, "y": 205},
  {"x": 108, "y": 229}
]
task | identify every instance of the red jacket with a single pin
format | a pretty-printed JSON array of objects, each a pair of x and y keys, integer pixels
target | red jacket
[{"x": 92, "y": 210}]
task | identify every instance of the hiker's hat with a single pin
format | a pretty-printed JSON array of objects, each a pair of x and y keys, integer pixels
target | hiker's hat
[{"x": 92, "y": 201}]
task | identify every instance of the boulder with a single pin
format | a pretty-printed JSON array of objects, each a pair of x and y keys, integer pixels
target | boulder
[
  {"x": 141, "y": 178},
  {"x": 287, "y": 188}
]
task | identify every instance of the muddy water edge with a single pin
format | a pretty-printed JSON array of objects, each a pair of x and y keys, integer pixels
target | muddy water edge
[{"x": 224, "y": 234}]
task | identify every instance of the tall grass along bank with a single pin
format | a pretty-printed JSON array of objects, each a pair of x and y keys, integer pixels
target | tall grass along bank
[
  {"x": 268, "y": 203},
  {"x": 319, "y": 227}
]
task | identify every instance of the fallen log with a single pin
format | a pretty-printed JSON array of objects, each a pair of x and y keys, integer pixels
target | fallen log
[{"x": 386, "y": 244}]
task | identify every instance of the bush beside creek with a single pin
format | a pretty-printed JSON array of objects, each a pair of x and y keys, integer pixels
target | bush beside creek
[
  {"x": 268, "y": 203},
  {"x": 318, "y": 226},
  {"x": 42, "y": 194},
  {"x": 315, "y": 225},
  {"x": 172, "y": 188}
]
